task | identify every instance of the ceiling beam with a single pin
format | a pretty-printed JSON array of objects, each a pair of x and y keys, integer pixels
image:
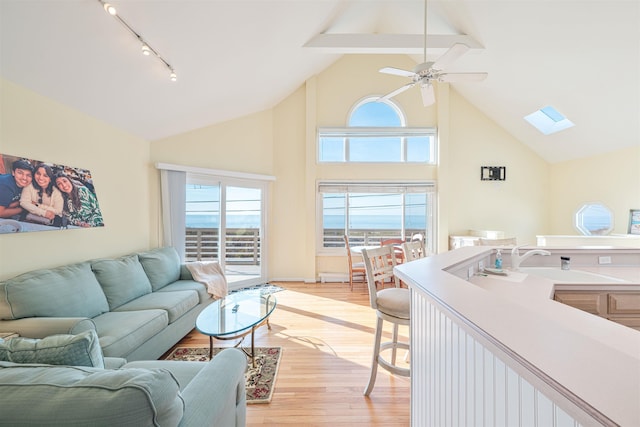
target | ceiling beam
[{"x": 387, "y": 43}]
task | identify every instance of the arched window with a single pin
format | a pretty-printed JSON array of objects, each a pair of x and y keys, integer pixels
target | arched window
[
  {"x": 376, "y": 132},
  {"x": 370, "y": 211},
  {"x": 371, "y": 113}
]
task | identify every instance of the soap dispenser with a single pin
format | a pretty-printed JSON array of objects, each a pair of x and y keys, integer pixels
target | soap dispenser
[{"x": 499, "y": 259}]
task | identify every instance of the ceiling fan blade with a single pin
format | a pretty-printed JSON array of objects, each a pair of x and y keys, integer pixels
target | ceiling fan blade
[
  {"x": 396, "y": 72},
  {"x": 454, "y": 52},
  {"x": 428, "y": 94},
  {"x": 462, "y": 77},
  {"x": 396, "y": 92}
]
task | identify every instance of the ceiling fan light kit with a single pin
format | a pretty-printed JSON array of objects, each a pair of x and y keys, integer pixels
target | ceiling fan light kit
[
  {"x": 426, "y": 73},
  {"x": 146, "y": 49}
]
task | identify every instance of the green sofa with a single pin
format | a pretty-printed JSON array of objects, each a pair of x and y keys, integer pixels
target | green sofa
[
  {"x": 140, "y": 305},
  {"x": 109, "y": 392}
]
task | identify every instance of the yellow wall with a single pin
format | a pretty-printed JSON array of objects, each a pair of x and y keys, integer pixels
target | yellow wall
[
  {"x": 612, "y": 179},
  {"x": 536, "y": 198},
  {"x": 36, "y": 127},
  {"x": 281, "y": 142},
  {"x": 519, "y": 206}
]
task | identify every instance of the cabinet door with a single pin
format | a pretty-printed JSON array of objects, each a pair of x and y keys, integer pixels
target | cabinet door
[
  {"x": 591, "y": 302},
  {"x": 624, "y": 303},
  {"x": 631, "y": 322}
]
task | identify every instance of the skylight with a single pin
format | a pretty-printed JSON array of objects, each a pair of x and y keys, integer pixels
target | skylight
[{"x": 548, "y": 120}]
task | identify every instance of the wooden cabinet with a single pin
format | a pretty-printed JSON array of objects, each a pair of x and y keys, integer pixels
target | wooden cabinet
[{"x": 618, "y": 306}]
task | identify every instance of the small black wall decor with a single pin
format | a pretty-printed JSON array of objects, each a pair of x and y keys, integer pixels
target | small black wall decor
[
  {"x": 43, "y": 196},
  {"x": 493, "y": 173}
]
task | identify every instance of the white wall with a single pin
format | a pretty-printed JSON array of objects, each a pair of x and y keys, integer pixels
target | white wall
[{"x": 36, "y": 127}]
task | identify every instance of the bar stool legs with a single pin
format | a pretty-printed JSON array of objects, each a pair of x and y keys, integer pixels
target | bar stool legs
[{"x": 378, "y": 347}]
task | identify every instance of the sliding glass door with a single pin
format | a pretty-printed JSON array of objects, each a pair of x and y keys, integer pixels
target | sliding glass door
[
  {"x": 225, "y": 222},
  {"x": 243, "y": 232}
]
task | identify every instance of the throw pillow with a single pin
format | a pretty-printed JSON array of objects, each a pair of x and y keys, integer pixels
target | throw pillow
[
  {"x": 162, "y": 266},
  {"x": 122, "y": 279},
  {"x": 74, "y": 350}
]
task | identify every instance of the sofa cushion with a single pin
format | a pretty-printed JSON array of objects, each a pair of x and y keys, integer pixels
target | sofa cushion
[
  {"x": 162, "y": 266},
  {"x": 68, "y": 291},
  {"x": 75, "y": 350},
  {"x": 81, "y": 396},
  {"x": 122, "y": 279},
  {"x": 121, "y": 332},
  {"x": 175, "y": 303},
  {"x": 189, "y": 285}
]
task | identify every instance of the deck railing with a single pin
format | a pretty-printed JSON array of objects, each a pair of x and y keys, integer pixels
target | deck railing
[
  {"x": 243, "y": 245},
  {"x": 333, "y": 237}
]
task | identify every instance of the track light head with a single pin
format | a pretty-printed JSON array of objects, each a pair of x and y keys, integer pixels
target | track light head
[
  {"x": 146, "y": 50},
  {"x": 173, "y": 77},
  {"x": 111, "y": 10}
]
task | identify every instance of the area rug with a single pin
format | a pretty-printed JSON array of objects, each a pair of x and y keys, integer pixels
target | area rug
[{"x": 259, "y": 381}]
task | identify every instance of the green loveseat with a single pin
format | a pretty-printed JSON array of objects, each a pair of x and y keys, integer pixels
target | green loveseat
[{"x": 140, "y": 305}]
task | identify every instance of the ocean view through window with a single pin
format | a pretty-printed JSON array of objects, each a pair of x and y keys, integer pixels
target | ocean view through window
[
  {"x": 224, "y": 222},
  {"x": 370, "y": 212}
]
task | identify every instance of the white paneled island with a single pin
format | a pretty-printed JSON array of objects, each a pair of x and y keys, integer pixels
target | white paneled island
[{"x": 498, "y": 350}]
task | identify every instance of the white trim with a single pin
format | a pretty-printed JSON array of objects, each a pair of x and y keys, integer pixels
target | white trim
[
  {"x": 215, "y": 172},
  {"x": 364, "y": 132}
]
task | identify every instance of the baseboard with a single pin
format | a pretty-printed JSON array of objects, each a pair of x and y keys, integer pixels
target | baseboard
[{"x": 334, "y": 277}]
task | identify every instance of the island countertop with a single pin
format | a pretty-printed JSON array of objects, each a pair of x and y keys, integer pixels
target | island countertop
[{"x": 595, "y": 359}]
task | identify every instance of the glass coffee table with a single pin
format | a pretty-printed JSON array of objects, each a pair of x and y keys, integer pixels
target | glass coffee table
[{"x": 236, "y": 316}]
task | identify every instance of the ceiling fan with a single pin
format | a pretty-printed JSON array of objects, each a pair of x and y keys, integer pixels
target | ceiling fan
[{"x": 426, "y": 73}]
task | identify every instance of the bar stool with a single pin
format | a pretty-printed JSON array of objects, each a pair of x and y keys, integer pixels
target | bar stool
[{"x": 391, "y": 305}]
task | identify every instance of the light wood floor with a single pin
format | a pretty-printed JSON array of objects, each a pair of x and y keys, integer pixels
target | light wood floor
[{"x": 326, "y": 332}]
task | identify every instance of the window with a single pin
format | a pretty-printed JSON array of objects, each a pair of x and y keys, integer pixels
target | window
[
  {"x": 369, "y": 212},
  {"x": 377, "y": 133},
  {"x": 548, "y": 120},
  {"x": 594, "y": 219}
]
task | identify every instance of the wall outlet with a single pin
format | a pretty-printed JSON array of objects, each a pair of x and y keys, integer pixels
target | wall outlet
[
  {"x": 470, "y": 272},
  {"x": 480, "y": 265},
  {"x": 604, "y": 260}
]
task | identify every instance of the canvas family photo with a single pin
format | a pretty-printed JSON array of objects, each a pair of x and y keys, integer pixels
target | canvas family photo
[{"x": 38, "y": 196}]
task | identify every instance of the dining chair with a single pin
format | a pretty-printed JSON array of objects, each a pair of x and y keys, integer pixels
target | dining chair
[
  {"x": 417, "y": 236},
  {"x": 391, "y": 305},
  {"x": 413, "y": 250},
  {"x": 356, "y": 269},
  {"x": 397, "y": 248}
]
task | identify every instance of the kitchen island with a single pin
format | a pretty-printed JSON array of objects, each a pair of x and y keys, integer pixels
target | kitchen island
[{"x": 490, "y": 351}]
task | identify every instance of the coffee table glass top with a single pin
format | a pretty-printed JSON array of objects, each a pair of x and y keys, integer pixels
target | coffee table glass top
[{"x": 236, "y": 313}]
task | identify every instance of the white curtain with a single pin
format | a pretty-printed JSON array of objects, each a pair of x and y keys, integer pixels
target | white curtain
[{"x": 174, "y": 184}]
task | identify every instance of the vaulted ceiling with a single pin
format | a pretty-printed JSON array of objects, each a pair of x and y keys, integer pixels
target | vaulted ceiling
[{"x": 236, "y": 57}]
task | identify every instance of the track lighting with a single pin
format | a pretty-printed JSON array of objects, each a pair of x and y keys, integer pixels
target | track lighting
[{"x": 147, "y": 50}]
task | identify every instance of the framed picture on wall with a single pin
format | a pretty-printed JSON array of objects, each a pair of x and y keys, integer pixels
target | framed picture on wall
[
  {"x": 37, "y": 195},
  {"x": 634, "y": 221}
]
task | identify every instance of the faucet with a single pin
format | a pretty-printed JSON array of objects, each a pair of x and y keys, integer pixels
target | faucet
[{"x": 516, "y": 259}]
